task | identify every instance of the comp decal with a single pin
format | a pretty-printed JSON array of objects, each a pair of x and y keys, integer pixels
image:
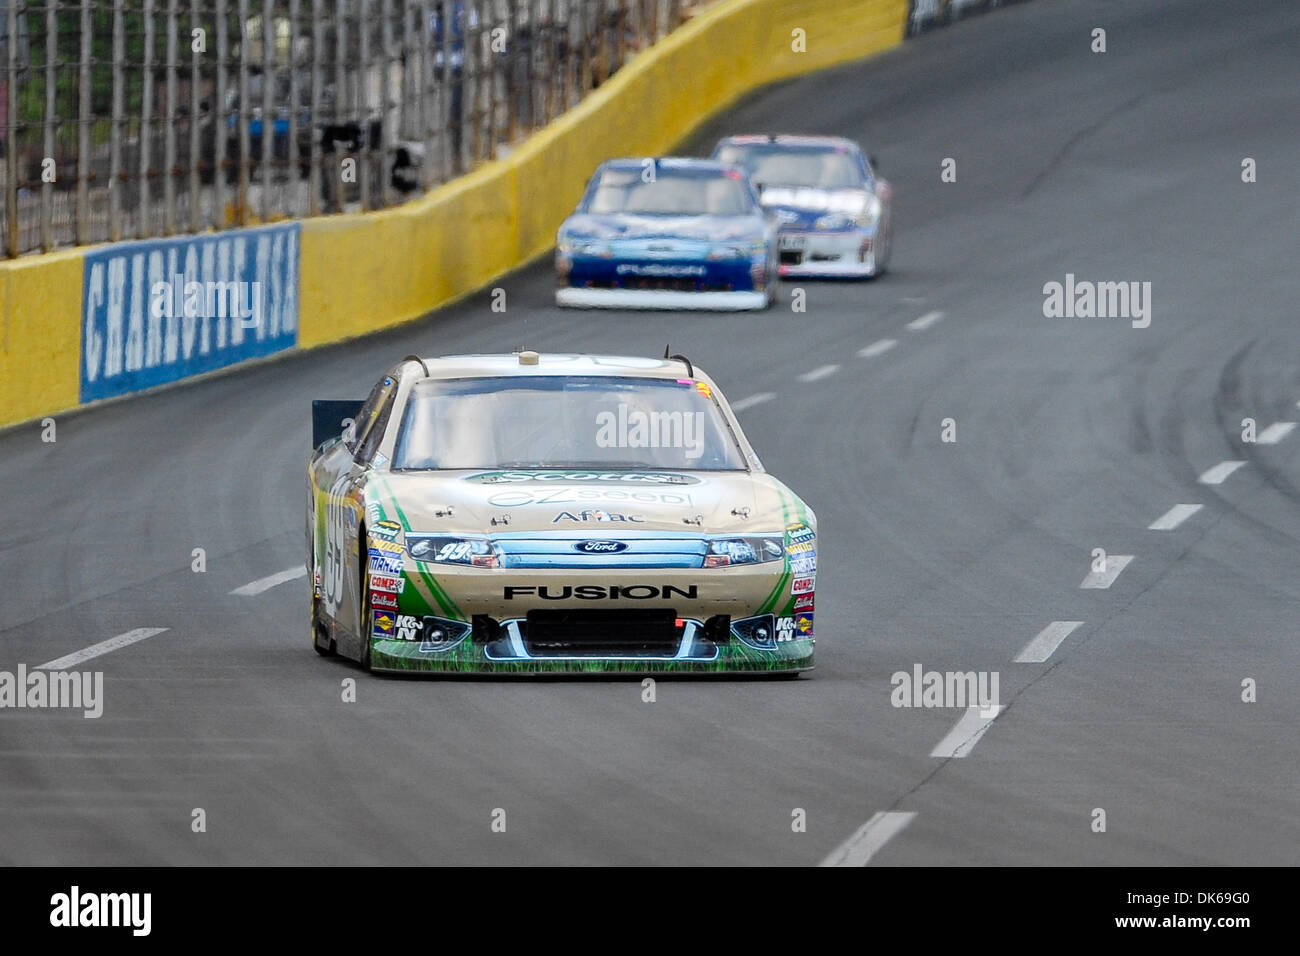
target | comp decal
[
  {"x": 803, "y": 585},
  {"x": 392, "y": 583}
]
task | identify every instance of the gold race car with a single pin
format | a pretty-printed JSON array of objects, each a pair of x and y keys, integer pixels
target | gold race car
[{"x": 540, "y": 513}]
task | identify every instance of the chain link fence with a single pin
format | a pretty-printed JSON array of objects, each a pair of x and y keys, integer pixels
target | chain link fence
[{"x": 126, "y": 119}]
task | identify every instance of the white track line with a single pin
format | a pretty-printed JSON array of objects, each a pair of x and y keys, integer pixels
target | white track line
[
  {"x": 1274, "y": 433},
  {"x": 1219, "y": 472},
  {"x": 1115, "y": 563},
  {"x": 1046, "y": 642},
  {"x": 753, "y": 400},
  {"x": 1172, "y": 518},
  {"x": 103, "y": 647},
  {"x": 271, "y": 581},
  {"x": 925, "y": 321},
  {"x": 819, "y": 373},
  {"x": 970, "y": 728},
  {"x": 858, "y": 849},
  {"x": 877, "y": 348}
]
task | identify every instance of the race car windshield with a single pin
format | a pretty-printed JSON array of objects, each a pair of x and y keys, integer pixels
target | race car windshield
[
  {"x": 547, "y": 422},
  {"x": 802, "y": 168},
  {"x": 670, "y": 193}
]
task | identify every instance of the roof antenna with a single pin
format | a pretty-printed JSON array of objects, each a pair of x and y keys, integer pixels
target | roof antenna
[{"x": 690, "y": 369}]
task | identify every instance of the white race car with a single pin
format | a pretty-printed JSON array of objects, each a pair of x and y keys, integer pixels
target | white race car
[{"x": 833, "y": 210}]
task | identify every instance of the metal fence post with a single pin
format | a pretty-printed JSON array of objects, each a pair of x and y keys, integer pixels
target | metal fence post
[
  {"x": 196, "y": 141},
  {"x": 83, "y": 127},
  {"x": 51, "y": 119},
  {"x": 241, "y": 117},
  {"x": 145, "y": 227},
  {"x": 169, "y": 125},
  {"x": 313, "y": 148},
  {"x": 266, "y": 150},
  {"x": 363, "y": 105},
  {"x": 292, "y": 179},
  {"x": 385, "y": 95},
  {"x": 116, "y": 175},
  {"x": 220, "y": 119}
]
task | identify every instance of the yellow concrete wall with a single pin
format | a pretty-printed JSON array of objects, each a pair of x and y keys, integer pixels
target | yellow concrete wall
[
  {"x": 40, "y": 335},
  {"x": 363, "y": 272}
]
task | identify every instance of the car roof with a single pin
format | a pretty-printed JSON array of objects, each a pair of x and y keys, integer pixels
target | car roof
[
  {"x": 789, "y": 139},
  {"x": 559, "y": 364}
]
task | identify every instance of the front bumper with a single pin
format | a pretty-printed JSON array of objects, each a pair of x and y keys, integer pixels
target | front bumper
[
  {"x": 746, "y": 619},
  {"x": 847, "y": 253},
  {"x": 660, "y": 299}
]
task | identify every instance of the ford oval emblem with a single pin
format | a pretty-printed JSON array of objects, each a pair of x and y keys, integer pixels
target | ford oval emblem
[{"x": 600, "y": 547}]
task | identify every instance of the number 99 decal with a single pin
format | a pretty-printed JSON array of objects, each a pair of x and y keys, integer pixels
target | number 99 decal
[{"x": 338, "y": 508}]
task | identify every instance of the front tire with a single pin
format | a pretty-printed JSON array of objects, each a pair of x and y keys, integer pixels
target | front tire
[{"x": 363, "y": 601}]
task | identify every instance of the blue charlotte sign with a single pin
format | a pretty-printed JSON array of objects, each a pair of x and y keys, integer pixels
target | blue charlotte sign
[{"x": 162, "y": 310}]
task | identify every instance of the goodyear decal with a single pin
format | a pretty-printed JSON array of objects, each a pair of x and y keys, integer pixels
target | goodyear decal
[{"x": 157, "y": 311}]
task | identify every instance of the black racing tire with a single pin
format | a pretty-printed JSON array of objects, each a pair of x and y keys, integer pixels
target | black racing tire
[{"x": 325, "y": 649}]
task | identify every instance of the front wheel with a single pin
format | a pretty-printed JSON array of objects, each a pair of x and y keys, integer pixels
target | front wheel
[{"x": 363, "y": 631}]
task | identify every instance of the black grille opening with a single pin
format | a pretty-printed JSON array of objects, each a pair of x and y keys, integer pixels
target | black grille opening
[
  {"x": 635, "y": 633},
  {"x": 791, "y": 257}
]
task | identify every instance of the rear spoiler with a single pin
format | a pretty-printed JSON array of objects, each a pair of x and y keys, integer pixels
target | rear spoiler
[{"x": 328, "y": 418}]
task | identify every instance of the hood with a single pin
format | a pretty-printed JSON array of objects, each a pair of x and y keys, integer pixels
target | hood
[
  {"x": 598, "y": 504},
  {"x": 701, "y": 228}
]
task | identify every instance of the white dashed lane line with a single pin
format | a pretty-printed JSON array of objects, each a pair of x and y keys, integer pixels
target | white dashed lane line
[
  {"x": 1172, "y": 518},
  {"x": 1274, "y": 433},
  {"x": 1046, "y": 642},
  {"x": 970, "y": 728},
  {"x": 925, "y": 321},
  {"x": 858, "y": 849},
  {"x": 819, "y": 373},
  {"x": 1115, "y": 563},
  {"x": 1217, "y": 474},
  {"x": 103, "y": 647},
  {"x": 752, "y": 400},
  {"x": 271, "y": 581},
  {"x": 877, "y": 348}
]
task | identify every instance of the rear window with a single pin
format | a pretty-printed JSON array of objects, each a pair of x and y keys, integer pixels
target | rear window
[{"x": 550, "y": 422}]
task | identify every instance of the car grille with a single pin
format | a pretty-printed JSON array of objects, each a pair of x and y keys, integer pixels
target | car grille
[
  {"x": 600, "y": 633},
  {"x": 640, "y": 549}
]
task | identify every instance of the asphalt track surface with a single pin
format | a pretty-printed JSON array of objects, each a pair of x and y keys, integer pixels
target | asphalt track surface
[{"x": 1072, "y": 434}]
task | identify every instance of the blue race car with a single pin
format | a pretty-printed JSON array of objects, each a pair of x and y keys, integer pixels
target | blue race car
[
  {"x": 834, "y": 209},
  {"x": 667, "y": 234}
]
